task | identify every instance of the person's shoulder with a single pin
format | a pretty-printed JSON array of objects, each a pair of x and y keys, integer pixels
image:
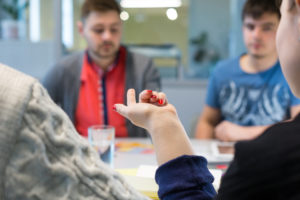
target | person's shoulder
[
  {"x": 67, "y": 65},
  {"x": 15, "y": 93},
  {"x": 136, "y": 55},
  {"x": 226, "y": 65},
  {"x": 15, "y": 89},
  {"x": 277, "y": 66},
  {"x": 69, "y": 60},
  {"x": 228, "y": 62},
  {"x": 137, "y": 61},
  {"x": 278, "y": 74},
  {"x": 9, "y": 75}
]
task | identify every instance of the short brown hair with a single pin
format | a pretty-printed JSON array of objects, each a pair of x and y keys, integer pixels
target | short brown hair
[
  {"x": 256, "y": 8},
  {"x": 99, "y": 6}
]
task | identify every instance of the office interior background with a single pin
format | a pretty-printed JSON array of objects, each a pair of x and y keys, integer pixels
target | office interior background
[{"x": 185, "y": 38}]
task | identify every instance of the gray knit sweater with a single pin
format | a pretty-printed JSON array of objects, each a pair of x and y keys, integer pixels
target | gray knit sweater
[{"x": 41, "y": 155}]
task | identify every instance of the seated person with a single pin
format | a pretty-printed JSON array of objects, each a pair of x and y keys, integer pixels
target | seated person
[
  {"x": 87, "y": 84},
  {"x": 249, "y": 93}
]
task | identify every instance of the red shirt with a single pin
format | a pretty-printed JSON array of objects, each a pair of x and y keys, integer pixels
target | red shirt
[{"x": 99, "y": 91}]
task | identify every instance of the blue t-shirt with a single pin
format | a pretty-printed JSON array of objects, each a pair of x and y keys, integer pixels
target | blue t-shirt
[{"x": 249, "y": 99}]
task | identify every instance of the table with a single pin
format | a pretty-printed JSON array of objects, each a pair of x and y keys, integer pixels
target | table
[
  {"x": 140, "y": 152},
  {"x": 134, "y": 154}
]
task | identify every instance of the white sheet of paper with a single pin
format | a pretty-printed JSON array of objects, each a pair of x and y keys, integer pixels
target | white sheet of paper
[{"x": 147, "y": 171}]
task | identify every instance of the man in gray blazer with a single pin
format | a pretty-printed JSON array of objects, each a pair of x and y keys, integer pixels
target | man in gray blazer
[{"x": 87, "y": 84}]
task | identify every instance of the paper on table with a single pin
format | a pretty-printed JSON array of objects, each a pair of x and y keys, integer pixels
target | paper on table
[
  {"x": 147, "y": 171},
  {"x": 146, "y": 186},
  {"x": 142, "y": 179},
  {"x": 217, "y": 175}
]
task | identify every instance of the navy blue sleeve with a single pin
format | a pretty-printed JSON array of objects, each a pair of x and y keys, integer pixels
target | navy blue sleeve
[{"x": 186, "y": 177}]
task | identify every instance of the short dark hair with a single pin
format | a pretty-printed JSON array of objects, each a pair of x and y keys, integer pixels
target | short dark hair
[
  {"x": 256, "y": 8},
  {"x": 98, "y": 6}
]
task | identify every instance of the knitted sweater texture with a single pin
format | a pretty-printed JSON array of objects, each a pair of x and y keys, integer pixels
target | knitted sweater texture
[{"x": 41, "y": 154}]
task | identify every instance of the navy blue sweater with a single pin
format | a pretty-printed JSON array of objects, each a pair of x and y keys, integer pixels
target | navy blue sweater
[
  {"x": 186, "y": 177},
  {"x": 267, "y": 167}
]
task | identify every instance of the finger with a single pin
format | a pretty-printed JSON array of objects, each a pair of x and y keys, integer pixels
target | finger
[
  {"x": 162, "y": 99},
  {"x": 145, "y": 96},
  {"x": 154, "y": 96},
  {"x": 121, "y": 109},
  {"x": 131, "y": 97}
]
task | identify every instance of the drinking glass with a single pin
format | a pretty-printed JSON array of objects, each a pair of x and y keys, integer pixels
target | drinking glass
[{"x": 102, "y": 138}]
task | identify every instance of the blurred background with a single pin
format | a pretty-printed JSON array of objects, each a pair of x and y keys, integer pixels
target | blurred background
[{"x": 185, "y": 38}]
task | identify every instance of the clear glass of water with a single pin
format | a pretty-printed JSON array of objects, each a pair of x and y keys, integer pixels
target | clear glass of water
[{"x": 102, "y": 138}]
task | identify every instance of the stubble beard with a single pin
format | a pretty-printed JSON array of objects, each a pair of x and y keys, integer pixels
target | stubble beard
[
  {"x": 258, "y": 56},
  {"x": 261, "y": 55},
  {"x": 101, "y": 53}
]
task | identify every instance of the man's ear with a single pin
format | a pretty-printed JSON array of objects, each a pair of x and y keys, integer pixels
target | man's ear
[{"x": 80, "y": 27}]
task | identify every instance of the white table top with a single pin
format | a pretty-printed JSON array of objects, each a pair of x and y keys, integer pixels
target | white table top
[{"x": 137, "y": 156}]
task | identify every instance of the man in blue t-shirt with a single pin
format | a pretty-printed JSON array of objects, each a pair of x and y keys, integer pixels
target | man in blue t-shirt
[{"x": 249, "y": 93}]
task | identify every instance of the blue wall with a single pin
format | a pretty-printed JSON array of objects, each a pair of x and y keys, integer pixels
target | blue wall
[
  {"x": 236, "y": 45},
  {"x": 221, "y": 19}
]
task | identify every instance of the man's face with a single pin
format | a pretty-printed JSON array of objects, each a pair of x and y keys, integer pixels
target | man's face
[
  {"x": 259, "y": 35},
  {"x": 102, "y": 32},
  {"x": 288, "y": 44}
]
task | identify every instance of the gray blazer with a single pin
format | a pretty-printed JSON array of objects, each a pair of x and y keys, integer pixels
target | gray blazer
[
  {"x": 63, "y": 82},
  {"x": 41, "y": 154}
]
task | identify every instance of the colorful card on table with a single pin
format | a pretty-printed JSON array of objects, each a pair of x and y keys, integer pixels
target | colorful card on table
[{"x": 134, "y": 147}]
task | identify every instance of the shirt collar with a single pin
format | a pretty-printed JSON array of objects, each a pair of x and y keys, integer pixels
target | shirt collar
[{"x": 98, "y": 69}]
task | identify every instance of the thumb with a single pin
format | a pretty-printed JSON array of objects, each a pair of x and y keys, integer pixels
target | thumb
[{"x": 121, "y": 109}]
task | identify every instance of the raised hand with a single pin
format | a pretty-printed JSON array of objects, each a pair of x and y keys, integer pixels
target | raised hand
[
  {"x": 154, "y": 113},
  {"x": 150, "y": 109}
]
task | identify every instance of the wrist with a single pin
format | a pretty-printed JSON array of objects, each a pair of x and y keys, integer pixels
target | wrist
[
  {"x": 170, "y": 139},
  {"x": 162, "y": 123}
]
